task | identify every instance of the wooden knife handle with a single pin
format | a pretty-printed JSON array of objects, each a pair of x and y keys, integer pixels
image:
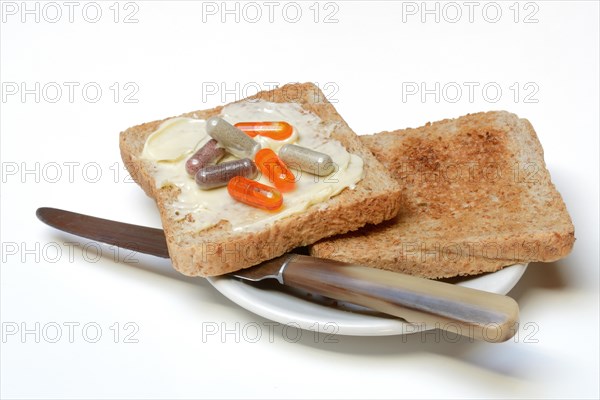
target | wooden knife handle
[{"x": 469, "y": 312}]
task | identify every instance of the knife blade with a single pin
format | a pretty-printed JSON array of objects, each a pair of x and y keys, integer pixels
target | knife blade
[{"x": 469, "y": 312}]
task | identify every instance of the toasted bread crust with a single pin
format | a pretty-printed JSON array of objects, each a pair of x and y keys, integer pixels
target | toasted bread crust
[
  {"x": 218, "y": 250},
  {"x": 476, "y": 197}
]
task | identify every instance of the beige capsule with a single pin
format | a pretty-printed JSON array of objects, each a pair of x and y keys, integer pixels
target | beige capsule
[
  {"x": 307, "y": 160},
  {"x": 231, "y": 138}
]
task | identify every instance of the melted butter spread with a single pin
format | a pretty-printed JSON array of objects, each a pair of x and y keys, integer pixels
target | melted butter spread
[{"x": 177, "y": 139}]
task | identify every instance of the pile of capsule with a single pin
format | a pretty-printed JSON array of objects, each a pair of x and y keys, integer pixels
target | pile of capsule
[{"x": 239, "y": 174}]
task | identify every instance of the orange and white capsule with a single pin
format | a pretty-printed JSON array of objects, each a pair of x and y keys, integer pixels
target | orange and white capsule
[
  {"x": 254, "y": 194},
  {"x": 277, "y": 130},
  {"x": 275, "y": 170}
]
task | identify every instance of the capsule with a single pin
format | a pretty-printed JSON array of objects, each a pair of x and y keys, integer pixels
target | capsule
[
  {"x": 234, "y": 140},
  {"x": 214, "y": 176},
  {"x": 277, "y": 130},
  {"x": 275, "y": 170},
  {"x": 254, "y": 193},
  {"x": 308, "y": 160},
  {"x": 208, "y": 154}
]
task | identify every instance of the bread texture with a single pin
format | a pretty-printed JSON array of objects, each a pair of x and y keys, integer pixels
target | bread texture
[
  {"x": 218, "y": 249},
  {"x": 476, "y": 196}
]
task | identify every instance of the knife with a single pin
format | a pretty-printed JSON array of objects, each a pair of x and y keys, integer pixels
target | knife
[{"x": 457, "y": 309}]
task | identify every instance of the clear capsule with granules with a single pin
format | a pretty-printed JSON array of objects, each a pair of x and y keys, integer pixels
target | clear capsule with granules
[
  {"x": 214, "y": 176},
  {"x": 308, "y": 160},
  {"x": 231, "y": 138},
  {"x": 208, "y": 154}
]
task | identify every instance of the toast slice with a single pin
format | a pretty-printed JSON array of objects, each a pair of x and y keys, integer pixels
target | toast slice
[
  {"x": 219, "y": 249},
  {"x": 476, "y": 196}
]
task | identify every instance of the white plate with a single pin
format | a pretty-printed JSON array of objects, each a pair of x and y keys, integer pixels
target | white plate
[{"x": 299, "y": 309}]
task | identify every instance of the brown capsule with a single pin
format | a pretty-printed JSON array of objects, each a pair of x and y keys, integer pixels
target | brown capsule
[
  {"x": 208, "y": 154},
  {"x": 214, "y": 176}
]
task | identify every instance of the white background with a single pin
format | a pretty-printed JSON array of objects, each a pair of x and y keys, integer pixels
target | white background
[{"x": 170, "y": 61}]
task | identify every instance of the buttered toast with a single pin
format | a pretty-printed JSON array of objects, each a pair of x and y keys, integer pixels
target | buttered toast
[{"x": 210, "y": 234}]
